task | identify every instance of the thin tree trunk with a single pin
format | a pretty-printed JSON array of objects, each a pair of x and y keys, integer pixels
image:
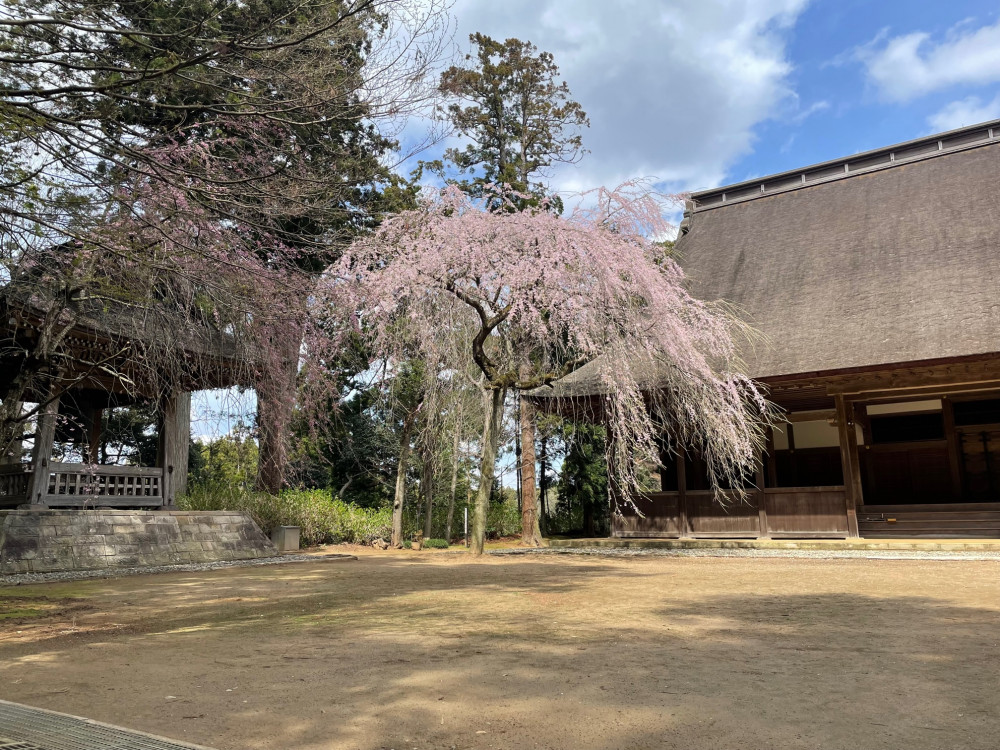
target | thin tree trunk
[
  {"x": 397, "y": 502},
  {"x": 543, "y": 461},
  {"x": 12, "y": 452},
  {"x": 427, "y": 486},
  {"x": 530, "y": 534},
  {"x": 343, "y": 488},
  {"x": 487, "y": 465},
  {"x": 454, "y": 473}
]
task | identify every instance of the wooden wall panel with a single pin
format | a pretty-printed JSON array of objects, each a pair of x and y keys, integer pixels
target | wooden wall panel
[
  {"x": 707, "y": 517},
  {"x": 813, "y": 511},
  {"x": 660, "y": 516}
]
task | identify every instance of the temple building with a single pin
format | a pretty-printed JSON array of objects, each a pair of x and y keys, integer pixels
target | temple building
[{"x": 875, "y": 282}]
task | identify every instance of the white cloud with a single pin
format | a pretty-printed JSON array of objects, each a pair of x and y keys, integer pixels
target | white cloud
[
  {"x": 906, "y": 67},
  {"x": 968, "y": 111},
  {"x": 672, "y": 91}
]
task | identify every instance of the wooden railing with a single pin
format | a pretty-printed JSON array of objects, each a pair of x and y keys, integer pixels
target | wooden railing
[
  {"x": 70, "y": 484},
  {"x": 14, "y": 480},
  {"x": 84, "y": 485}
]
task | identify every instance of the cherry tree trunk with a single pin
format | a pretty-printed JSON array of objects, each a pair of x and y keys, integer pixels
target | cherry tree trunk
[
  {"x": 487, "y": 465},
  {"x": 530, "y": 534},
  {"x": 397, "y": 502}
]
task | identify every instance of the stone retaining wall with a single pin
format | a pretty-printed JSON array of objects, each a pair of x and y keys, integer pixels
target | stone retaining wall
[{"x": 55, "y": 540}]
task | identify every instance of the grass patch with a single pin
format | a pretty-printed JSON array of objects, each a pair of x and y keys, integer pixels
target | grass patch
[{"x": 19, "y": 614}]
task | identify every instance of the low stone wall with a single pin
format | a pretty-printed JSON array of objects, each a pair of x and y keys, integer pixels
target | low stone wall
[{"x": 54, "y": 540}]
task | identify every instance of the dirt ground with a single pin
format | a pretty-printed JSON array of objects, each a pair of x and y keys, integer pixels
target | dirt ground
[{"x": 429, "y": 650}]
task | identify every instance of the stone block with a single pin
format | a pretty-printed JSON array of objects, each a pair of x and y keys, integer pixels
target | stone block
[
  {"x": 80, "y": 540},
  {"x": 23, "y": 521}
]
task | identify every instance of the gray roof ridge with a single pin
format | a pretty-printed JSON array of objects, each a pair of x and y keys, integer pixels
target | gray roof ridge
[{"x": 886, "y": 157}]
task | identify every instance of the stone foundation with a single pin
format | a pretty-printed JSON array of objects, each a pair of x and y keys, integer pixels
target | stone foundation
[{"x": 42, "y": 541}]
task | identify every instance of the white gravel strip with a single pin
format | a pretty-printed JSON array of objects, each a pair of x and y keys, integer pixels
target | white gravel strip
[
  {"x": 19, "y": 579},
  {"x": 819, "y": 554}
]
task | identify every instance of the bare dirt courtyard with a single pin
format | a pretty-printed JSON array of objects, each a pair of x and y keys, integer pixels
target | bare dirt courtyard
[{"x": 423, "y": 650}]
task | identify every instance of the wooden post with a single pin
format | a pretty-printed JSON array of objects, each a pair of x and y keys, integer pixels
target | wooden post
[
  {"x": 862, "y": 418},
  {"x": 94, "y": 435},
  {"x": 761, "y": 500},
  {"x": 172, "y": 451},
  {"x": 41, "y": 453},
  {"x": 954, "y": 450},
  {"x": 849, "y": 462}
]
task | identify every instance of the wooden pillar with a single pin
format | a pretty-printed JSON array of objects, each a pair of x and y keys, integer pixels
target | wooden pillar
[
  {"x": 862, "y": 418},
  {"x": 954, "y": 449},
  {"x": 763, "y": 532},
  {"x": 172, "y": 450},
  {"x": 95, "y": 418},
  {"x": 41, "y": 453},
  {"x": 849, "y": 462}
]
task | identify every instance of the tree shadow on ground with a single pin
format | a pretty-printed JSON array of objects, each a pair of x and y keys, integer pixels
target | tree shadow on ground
[{"x": 536, "y": 654}]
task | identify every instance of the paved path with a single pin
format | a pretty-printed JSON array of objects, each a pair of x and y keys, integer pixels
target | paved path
[{"x": 26, "y": 728}]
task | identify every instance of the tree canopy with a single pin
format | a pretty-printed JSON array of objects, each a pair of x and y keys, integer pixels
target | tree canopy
[
  {"x": 518, "y": 117},
  {"x": 179, "y": 170}
]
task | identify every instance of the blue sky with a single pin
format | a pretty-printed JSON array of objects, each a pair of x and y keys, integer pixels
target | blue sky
[{"x": 699, "y": 93}]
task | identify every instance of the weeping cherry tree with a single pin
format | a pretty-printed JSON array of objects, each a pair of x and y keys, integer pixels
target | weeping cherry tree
[{"x": 527, "y": 297}]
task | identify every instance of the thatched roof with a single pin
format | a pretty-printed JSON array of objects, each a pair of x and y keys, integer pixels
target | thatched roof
[
  {"x": 885, "y": 257},
  {"x": 880, "y": 259}
]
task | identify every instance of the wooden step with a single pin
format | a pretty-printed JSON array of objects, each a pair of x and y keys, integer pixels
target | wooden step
[
  {"x": 931, "y": 508},
  {"x": 967, "y": 520},
  {"x": 901, "y": 518},
  {"x": 950, "y": 534}
]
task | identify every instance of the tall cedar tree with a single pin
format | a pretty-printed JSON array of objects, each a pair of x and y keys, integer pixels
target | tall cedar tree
[{"x": 515, "y": 112}]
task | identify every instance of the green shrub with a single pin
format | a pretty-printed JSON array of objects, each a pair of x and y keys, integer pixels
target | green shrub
[
  {"x": 503, "y": 519},
  {"x": 436, "y": 543},
  {"x": 407, "y": 544},
  {"x": 321, "y": 518}
]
